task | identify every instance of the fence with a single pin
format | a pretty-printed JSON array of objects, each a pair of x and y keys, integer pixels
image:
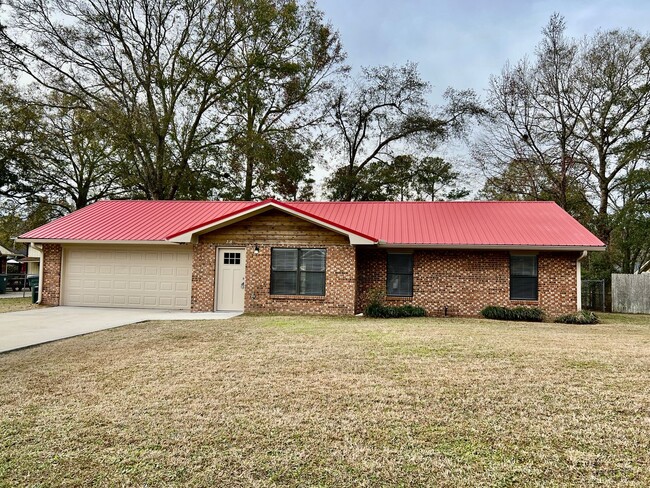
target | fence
[
  {"x": 593, "y": 296},
  {"x": 631, "y": 293}
]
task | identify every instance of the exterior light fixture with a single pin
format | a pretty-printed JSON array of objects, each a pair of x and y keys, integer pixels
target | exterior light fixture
[{"x": 257, "y": 249}]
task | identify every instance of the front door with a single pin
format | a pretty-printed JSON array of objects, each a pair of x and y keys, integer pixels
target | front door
[{"x": 231, "y": 266}]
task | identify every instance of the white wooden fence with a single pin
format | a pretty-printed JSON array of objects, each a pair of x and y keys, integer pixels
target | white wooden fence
[{"x": 631, "y": 293}]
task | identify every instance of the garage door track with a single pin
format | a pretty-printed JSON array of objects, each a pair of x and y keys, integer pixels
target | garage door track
[{"x": 37, "y": 326}]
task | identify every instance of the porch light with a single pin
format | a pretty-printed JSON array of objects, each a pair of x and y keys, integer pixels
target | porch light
[{"x": 257, "y": 249}]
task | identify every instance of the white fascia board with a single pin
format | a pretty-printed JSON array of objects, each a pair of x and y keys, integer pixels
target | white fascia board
[
  {"x": 498, "y": 247},
  {"x": 191, "y": 236},
  {"x": 90, "y": 241}
]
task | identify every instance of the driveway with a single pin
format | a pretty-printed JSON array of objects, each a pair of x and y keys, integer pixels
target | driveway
[{"x": 31, "y": 327}]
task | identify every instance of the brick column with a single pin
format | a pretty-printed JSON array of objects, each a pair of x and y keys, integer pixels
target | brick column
[
  {"x": 51, "y": 293},
  {"x": 203, "y": 276}
]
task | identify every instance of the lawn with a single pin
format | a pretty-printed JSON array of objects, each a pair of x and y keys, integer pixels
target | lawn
[
  {"x": 302, "y": 401},
  {"x": 16, "y": 304}
]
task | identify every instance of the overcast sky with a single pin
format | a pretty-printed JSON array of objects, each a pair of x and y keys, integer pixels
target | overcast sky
[{"x": 461, "y": 43}]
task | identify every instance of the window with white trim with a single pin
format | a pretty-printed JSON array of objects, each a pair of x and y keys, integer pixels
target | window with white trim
[
  {"x": 523, "y": 277},
  {"x": 298, "y": 271}
]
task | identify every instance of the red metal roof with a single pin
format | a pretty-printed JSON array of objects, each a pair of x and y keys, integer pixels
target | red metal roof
[{"x": 398, "y": 223}]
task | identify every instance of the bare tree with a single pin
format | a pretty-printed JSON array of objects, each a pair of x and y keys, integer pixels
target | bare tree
[
  {"x": 383, "y": 106},
  {"x": 534, "y": 122}
]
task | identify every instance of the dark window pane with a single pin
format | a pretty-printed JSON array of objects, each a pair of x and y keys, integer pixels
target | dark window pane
[
  {"x": 400, "y": 285},
  {"x": 284, "y": 282},
  {"x": 312, "y": 283},
  {"x": 400, "y": 263},
  {"x": 284, "y": 259},
  {"x": 523, "y": 288},
  {"x": 312, "y": 260},
  {"x": 523, "y": 265}
]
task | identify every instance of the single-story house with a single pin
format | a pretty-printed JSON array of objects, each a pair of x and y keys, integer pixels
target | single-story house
[{"x": 313, "y": 257}]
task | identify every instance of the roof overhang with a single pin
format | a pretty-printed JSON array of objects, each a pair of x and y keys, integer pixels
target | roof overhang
[
  {"x": 495, "y": 247},
  {"x": 89, "y": 241},
  {"x": 191, "y": 235}
]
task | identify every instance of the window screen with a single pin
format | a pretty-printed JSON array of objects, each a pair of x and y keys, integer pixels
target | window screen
[
  {"x": 298, "y": 271},
  {"x": 523, "y": 277},
  {"x": 399, "y": 279}
]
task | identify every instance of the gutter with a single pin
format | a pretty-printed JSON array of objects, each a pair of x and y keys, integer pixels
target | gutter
[{"x": 579, "y": 280}]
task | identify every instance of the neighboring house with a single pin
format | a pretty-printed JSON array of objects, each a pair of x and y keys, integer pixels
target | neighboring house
[
  {"x": 10, "y": 256},
  {"x": 314, "y": 257},
  {"x": 5, "y": 254}
]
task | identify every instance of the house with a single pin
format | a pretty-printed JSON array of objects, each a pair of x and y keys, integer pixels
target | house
[
  {"x": 313, "y": 257},
  {"x": 5, "y": 254}
]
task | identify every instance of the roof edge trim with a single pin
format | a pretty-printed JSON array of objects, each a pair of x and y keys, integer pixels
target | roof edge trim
[
  {"x": 37, "y": 240},
  {"x": 502, "y": 247}
]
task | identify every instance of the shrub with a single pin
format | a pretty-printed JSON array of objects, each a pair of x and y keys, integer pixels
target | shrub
[
  {"x": 582, "y": 317},
  {"x": 378, "y": 310},
  {"x": 522, "y": 314}
]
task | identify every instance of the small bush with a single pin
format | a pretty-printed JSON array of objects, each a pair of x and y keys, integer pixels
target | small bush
[
  {"x": 376, "y": 310},
  {"x": 522, "y": 314},
  {"x": 582, "y": 317}
]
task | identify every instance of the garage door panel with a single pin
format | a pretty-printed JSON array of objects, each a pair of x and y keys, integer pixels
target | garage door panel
[{"x": 115, "y": 277}]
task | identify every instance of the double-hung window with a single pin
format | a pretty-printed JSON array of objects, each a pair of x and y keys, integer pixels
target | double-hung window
[
  {"x": 399, "y": 278},
  {"x": 523, "y": 277},
  {"x": 297, "y": 271}
]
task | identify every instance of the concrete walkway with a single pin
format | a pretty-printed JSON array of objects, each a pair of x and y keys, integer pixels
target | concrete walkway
[{"x": 31, "y": 327}]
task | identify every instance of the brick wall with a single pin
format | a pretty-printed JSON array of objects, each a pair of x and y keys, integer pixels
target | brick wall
[
  {"x": 51, "y": 293},
  {"x": 277, "y": 229},
  {"x": 467, "y": 281},
  {"x": 203, "y": 277}
]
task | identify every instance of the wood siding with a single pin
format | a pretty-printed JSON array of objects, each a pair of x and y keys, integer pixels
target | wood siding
[{"x": 274, "y": 227}]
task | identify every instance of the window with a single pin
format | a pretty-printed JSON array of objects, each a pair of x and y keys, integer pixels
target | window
[
  {"x": 399, "y": 282},
  {"x": 298, "y": 271},
  {"x": 231, "y": 258},
  {"x": 523, "y": 277}
]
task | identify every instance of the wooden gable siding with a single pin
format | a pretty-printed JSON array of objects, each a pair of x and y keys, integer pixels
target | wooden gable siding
[{"x": 274, "y": 227}]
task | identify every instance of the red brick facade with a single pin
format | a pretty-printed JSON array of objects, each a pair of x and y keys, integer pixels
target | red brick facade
[
  {"x": 266, "y": 231},
  {"x": 51, "y": 293},
  {"x": 463, "y": 282}
]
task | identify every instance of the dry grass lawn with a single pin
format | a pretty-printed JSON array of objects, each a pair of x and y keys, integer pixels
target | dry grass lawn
[
  {"x": 16, "y": 304},
  {"x": 303, "y": 401}
]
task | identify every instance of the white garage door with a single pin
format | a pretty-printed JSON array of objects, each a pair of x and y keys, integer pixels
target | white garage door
[{"x": 127, "y": 276}]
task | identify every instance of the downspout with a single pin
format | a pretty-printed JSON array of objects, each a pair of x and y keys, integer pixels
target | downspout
[
  {"x": 40, "y": 272},
  {"x": 579, "y": 280}
]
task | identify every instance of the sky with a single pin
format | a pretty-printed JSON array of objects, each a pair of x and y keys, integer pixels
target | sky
[{"x": 462, "y": 43}]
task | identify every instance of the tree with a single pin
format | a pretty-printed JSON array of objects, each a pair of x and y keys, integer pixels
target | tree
[
  {"x": 630, "y": 239},
  {"x": 570, "y": 124},
  {"x": 433, "y": 176},
  {"x": 290, "y": 56},
  {"x": 384, "y": 106},
  {"x": 156, "y": 73},
  {"x": 69, "y": 161},
  {"x": 532, "y": 135}
]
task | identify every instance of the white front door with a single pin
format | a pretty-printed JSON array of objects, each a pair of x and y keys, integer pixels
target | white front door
[{"x": 231, "y": 271}]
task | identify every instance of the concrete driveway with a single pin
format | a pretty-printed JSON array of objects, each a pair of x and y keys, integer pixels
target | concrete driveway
[{"x": 31, "y": 327}]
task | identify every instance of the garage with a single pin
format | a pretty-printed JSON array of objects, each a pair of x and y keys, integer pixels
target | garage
[{"x": 127, "y": 276}]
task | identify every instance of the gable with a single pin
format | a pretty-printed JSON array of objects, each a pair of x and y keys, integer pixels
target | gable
[{"x": 274, "y": 227}]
